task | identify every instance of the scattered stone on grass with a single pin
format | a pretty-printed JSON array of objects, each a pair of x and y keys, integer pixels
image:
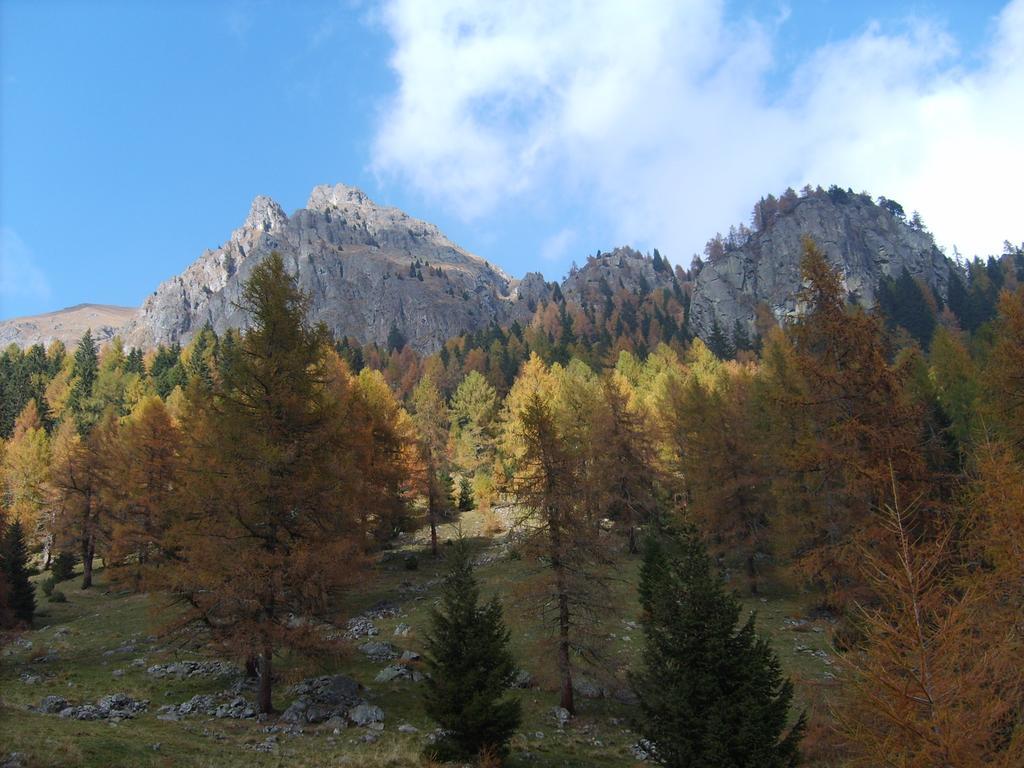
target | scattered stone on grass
[
  {"x": 183, "y": 669},
  {"x": 114, "y": 707}
]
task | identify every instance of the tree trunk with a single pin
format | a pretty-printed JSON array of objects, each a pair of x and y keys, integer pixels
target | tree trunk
[
  {"x": 564, "y": 665},
  {"x": 633, "y": 548},
  {"x": 252, "y": 667},
  {"x": 266, "y": 704},
  {"x": 562, "y": 590},
  {"x": 432, "y": 512},
  {"x": 88, "y": 551}
]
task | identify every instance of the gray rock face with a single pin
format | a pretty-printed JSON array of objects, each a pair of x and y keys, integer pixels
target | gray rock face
[
  {"x": 863, "y": 240},
  {"x": 367, "y": 269}
]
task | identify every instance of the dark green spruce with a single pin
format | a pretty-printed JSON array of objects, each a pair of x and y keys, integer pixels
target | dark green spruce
[
  {"x": 14, "y": 563},
  {"x": 711, "y": 691},
  {"x": 470, "y": 668}
]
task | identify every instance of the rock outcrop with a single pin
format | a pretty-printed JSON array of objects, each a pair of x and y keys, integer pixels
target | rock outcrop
[
  {"x": 370, "y": 271},
  {"x": 622, "y": 269},
  {"x": 863, "y": 240}
]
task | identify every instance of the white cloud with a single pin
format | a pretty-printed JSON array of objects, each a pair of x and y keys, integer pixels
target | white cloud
[
  {"x": 556, "y": 247},
  {"x": 658, "y": 115},
  {"x": 20, "y": 278}
]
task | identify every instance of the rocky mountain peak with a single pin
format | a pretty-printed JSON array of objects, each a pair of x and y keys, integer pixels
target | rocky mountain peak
[
  {"x": 368, "y": 269},
  {"x": 325, "y": 196},
  {"x": 864, "y": 240},
  {"x": 265, "y": 215}
]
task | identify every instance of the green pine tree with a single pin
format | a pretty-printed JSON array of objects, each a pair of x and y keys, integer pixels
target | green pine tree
[
  {"x": 465, "y": 495},
  {"x": 14, "y": 563},
  {"x": 711, "y": 692},
  {"x": 719, "y": 343},
  {"x": 84, "y": 375},
  {"x": 471, "y": 668}
]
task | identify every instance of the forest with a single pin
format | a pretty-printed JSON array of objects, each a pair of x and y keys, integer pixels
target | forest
[{"x": 869, "y": 464}]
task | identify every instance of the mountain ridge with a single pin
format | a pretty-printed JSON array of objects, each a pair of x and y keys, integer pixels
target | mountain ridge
[{"x": 374, "y": 271}]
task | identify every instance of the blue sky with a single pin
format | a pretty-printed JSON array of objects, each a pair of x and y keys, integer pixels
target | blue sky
[{"x": 133, "y": 135}]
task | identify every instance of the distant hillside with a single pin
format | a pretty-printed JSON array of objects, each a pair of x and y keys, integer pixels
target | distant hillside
[{"x": 66, "y": 325}]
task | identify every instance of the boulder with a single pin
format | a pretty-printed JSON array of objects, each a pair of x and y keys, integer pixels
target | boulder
[
  {"x": 522, "y": 679},
  {"x": 51, "y": 705},
  {"x": 364, "y": 715},
  {"x": 379, "y": 651},
  {"x": 322, "y": 699},
  {"x": 237, "y": 708}
]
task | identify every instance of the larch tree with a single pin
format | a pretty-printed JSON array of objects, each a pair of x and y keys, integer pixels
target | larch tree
[
  {"x": 474, "y": 411},
  {"x": 933, "y": 680},
  {"x": 383, "y": 438},
  {"x": 848, "y": 422},
  {"x": 267, "y": 533},
  {"x": 143, "y": 477},
  {"x": 430, "y": 415},
  {"x": 957, "y": 385},
  {"x": 25, "y": 465},
  {"x": 716, "y": 451},
  {"x": 1004, "y": 373},
  {"x": 626, "y": 459},
  {"x": 77, "y": 482},
  {"x": 545, "y": 463}
]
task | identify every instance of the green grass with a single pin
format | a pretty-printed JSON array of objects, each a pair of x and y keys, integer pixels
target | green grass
[{"x": 99, "y": 620}]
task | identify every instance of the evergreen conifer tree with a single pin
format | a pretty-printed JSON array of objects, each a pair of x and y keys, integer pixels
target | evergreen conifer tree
[
  {"x": 21, "y": 596},
  {"x": 719, "y": 343},
  {"x": 466, "y": 501},
  {"x": 710, "y": 693},
  {"x": 471, "y": 668},
  {"x": 84, "y": 375}
]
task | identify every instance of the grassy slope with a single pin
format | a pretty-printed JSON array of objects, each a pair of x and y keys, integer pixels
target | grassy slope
[{"x": 100, "y": 621}]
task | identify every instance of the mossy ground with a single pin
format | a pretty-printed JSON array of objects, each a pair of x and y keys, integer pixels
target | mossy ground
[{"x": 100, "y": 620}]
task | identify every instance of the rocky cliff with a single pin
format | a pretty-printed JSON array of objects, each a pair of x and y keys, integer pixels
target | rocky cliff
[
  {"x": 864, "y": 240},
  {"x": 368, "y": 269}
]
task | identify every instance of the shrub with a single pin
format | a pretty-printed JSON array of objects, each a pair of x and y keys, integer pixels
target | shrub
[
  {"x": 58, "y": 597},
  {"x": 48, "y": 584}
]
